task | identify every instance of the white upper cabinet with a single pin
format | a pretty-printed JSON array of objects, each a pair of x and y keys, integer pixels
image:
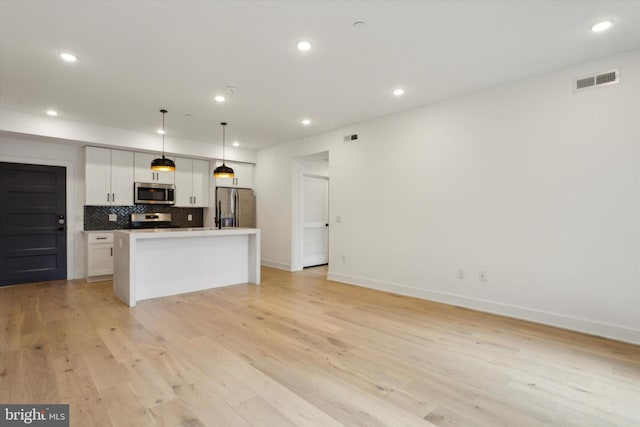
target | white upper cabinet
[
  {"x": 192, "y": 182},
  {"x": 108, "y": 177},
  {"x": 201, "y": 180},
  {"x": 243, "y": 175},
  {"x": 143, "y": 172}
]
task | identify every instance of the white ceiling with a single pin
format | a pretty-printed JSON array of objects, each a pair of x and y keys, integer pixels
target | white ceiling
[{"x": 136, "y": 57}]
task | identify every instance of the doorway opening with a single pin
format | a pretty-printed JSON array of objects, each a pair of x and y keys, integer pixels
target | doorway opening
[
  {"x": 310, "y": 246},
  {"x": 315, "y": 220},
  {"x": 33, "y": 229}
]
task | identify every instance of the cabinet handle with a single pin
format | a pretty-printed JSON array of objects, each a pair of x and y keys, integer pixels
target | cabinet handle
[
  {"x": 194, "y": 200},
  {"x": 107, "y": 197},
  {"x": 101, "y": 238},
  {"x": 111, "y": 251},
  {"x": 113, "y": 197}
]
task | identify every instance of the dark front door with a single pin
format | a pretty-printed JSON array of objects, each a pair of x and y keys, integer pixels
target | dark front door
[{"x": 33, "y": 236}]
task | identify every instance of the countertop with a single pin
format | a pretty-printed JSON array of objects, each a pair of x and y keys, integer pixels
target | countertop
[{"x": 186, "y": 232}]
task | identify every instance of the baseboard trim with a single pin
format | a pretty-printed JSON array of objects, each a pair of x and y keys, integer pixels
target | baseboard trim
[
  {"x": 274, "y": 264},
  {"x": 577, "y": 324}
]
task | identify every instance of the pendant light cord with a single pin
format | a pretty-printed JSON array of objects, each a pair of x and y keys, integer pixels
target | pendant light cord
[
  {"x": 163, "y": 113},
  {"x": 224, "y": 125}
]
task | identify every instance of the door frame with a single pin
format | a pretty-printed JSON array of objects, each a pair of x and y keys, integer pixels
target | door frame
[{"x": 71, "y": 212}]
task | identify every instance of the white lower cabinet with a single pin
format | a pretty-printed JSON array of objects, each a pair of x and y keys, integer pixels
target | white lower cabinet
[{"x": 99, "y": 255}]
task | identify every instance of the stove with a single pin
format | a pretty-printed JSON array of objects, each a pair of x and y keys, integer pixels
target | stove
[{"x": 151, "y": 220}]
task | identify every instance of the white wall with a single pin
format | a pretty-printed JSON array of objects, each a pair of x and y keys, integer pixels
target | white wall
[
  {"x": 532, "y": 183},
  {"x": 102, "y": 136},
  {"x": 23, "y": 149}
]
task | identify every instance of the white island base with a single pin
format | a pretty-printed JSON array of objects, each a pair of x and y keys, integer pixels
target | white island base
[{"x": 157, "y": 263}]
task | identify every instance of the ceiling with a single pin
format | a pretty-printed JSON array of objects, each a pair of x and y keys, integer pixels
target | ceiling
[{"x": 136, "y": 57}]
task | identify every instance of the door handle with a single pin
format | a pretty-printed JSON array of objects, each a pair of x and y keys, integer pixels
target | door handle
[{"x": 60, "y": 228}]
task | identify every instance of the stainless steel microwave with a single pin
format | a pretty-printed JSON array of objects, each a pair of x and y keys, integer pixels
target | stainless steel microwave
[{"x": 145, "y": 193}]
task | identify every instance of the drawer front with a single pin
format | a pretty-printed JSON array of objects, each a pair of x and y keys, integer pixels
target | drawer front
[{"x": 100, "y": 238}]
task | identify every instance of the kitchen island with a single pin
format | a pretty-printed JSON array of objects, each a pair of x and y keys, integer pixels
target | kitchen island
[{"x": 163, "y": 262}]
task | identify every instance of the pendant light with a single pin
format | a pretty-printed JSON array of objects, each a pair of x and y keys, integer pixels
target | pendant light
[
  {"x": 163, "y": 164},
  {"x": 223, "y": 171}
]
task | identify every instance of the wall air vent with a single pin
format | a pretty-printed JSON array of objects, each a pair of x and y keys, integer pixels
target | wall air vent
[
  {"x": 586, "y": 82},
  {"x": 607, "y": 78},
  {"x": 351, "y": 139},
  {"x": 602, "y": 79}
]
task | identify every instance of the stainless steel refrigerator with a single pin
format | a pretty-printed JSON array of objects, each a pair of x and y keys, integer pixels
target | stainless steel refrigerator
[{"x": 235, "y": 207}]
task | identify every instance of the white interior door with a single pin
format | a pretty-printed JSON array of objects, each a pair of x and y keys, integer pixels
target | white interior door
[{"x": 315, "y": 218}]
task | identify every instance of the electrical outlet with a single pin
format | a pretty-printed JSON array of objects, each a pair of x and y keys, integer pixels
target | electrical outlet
[
  {"x": 460, "y": 274},
  {"x": 189, "y": 217},
  {"x": 113, "y": 217},
  {"x": 483, "y": 276}
]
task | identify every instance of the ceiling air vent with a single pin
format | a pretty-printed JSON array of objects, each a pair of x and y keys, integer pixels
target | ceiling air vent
[
  {"x": 602, "y": 79},
  {"x": 350, "y": 139}
]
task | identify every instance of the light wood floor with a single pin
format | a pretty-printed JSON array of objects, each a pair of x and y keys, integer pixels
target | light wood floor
[{"x": 300, "y": 350}]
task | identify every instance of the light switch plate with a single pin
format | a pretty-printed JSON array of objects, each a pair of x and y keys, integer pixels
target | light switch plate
[{"x": 113, "y": 217}]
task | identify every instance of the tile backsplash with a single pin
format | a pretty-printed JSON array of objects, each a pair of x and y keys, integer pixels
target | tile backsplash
[{"x": 97, "y": 217}]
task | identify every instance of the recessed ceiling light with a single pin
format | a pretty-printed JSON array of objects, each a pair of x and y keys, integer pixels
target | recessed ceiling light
[
  {"x": 161, "y": 131},
  {"x": 219, "y": 98},
  {"x": 68, "y": 57},
  {"x": 601, "y": 26},
  {"x": 236, "y": 144},
  {"x": 52, "y": 113},
  {"x": 306, "y": 122},
  {"x": 304, "y": 45},
  {"x": 398, "y": 92},
  {"x": 358, "y": 25}
]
